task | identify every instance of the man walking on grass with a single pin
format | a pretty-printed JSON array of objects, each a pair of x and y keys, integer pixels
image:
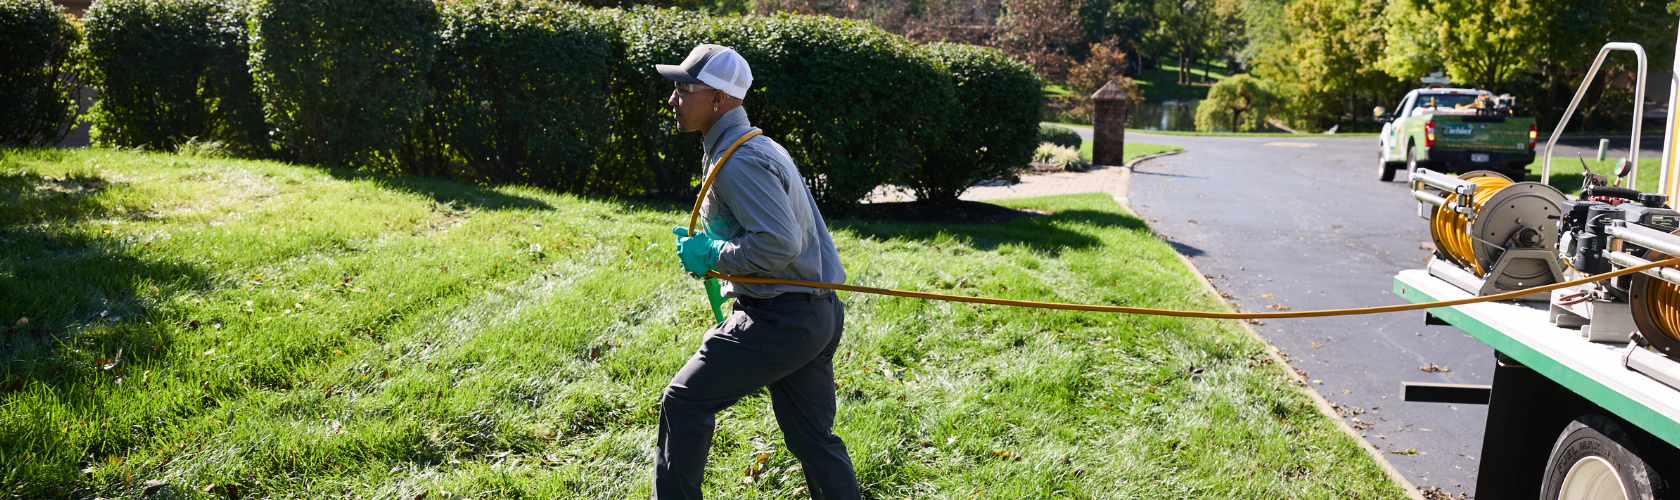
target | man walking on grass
[{"x": 758, "y": 220}]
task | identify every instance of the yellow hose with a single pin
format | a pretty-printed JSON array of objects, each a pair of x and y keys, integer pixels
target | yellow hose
[
  {"x": 1452, "y": 229},
  {"x": 1662, "y": 301},
  {"x": 1488, "y": 186},
  {"x": 1197, "y": 314}
]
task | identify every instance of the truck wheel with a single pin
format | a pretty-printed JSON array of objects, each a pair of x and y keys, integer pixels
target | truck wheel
[
  {"x": 1517, "y": 174},
  {"x": 1596, "y": 459},
  {"x": 1411, "y": 159},
  {"x": 1385, "y": 169}
]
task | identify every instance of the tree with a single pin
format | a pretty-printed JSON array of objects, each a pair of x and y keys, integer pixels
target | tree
[
  {"x": 1331, "y": 62},
  {"x": 972, "y": 22},
  {"x": 1239, "y": 102},
  {"x": 1037, "y": 30},
  {"x": 1483, "y": 42},
  {"x": 1143, "y": 30},
  {"x": 1107, "y": 63}
]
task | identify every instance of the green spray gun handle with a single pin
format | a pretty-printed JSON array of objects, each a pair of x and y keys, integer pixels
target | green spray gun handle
[{"x": 714, "y": 294}]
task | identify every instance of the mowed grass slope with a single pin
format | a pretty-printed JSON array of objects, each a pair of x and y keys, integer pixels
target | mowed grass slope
[
  {"x": 1567, "y": 172},
  {"x": 295, "y": 332}
]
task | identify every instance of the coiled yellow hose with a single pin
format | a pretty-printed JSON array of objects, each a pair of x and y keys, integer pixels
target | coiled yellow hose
[
  {"x": 1452, "y": 229},
  {"x": 1662, "y": 301}
]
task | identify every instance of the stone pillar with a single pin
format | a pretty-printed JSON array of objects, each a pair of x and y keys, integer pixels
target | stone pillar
[{"x": 1108, "y": 133}]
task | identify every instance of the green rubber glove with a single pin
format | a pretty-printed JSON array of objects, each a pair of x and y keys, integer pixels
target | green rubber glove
[{"x": 698, "y": 253}]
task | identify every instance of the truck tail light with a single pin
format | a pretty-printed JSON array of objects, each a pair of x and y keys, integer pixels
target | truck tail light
[
  {"x": 1533, "y": 135},
  {"x": 1429, "y": 134}
]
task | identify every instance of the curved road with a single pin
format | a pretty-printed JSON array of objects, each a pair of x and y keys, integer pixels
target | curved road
[{"x": 1302, "y": 222}]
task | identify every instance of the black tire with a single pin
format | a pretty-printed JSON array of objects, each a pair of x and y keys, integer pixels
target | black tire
[
  {"x": 1385, "y": 169},
  {"x": 1598, "y": 443},
  {"x": 1411, "y": 159},
  {"x": 1517, "y": 174}
]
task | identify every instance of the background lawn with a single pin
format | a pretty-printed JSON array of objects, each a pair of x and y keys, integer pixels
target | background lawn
[
  {"x": 1567, "y": 172},
  {"x": 1134, "y": 150},
  {"x": 304, "y": 333}
]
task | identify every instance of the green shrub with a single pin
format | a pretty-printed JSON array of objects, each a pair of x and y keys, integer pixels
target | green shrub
[
  {"x": 170, "y": 71},
  {"x": 343, "y": 82},
  {"x": 1060, "y": 136},
  {"x": 993, "y": 125},
  {"x": 647, "y": 137},
  {"x": 855, "y": 106},
  {"x": 1062, "y": 158},
  {"x": 522, "y": 92},
  {"x": 37, "y": 89}
]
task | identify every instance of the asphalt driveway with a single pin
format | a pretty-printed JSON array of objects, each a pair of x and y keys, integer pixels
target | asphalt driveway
[{"x": 1301, "y": 222}]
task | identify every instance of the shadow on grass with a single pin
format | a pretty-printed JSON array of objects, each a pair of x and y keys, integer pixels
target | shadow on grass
[
  {"x": 1051, "y": 234},
  {"x": 442, "y": 190},
  {"x": 55, "y": 274}
]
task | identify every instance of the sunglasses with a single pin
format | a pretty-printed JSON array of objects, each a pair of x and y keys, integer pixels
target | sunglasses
[{"x": 684, "y": 88}]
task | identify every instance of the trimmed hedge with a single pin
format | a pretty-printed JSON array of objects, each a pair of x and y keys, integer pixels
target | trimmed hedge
[
  {"x": 649, "y": 140},
  {"x": 549, "y": 94},
  {"x": 37, "y": 89},
  {"x": 855, "y": 106},
  {"x": 343, "y": 82},
  {"x": 170, "y": 71},
  {"x": 522, "y": 92},
  {"x": 994, "y": 123},
  {"x": 1060, "y": 136}
]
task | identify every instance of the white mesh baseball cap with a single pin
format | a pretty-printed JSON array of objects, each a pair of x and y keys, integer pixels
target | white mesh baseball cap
[{"x": 714, "y": 65}]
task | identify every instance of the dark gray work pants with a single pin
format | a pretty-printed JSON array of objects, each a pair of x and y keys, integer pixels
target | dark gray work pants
[{"x": 786, "y": 343}]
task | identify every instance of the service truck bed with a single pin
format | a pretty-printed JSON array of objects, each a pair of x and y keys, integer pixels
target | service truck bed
[{"x": 1521, "y": 332}]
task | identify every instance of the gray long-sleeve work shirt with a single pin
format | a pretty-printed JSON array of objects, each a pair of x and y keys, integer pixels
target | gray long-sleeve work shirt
[{"x": 759, "y": 205}]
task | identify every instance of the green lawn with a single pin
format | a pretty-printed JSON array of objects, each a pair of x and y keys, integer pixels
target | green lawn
[
  {"x": 1167, "y": 90},
  {"x": 306, "y": 333},
  {"x": 1567, "y": 172},
  {"x": 1252, "y": 134},
  {"x": 1134, "y": 150},
  {"x": 1218, "y": 134}
]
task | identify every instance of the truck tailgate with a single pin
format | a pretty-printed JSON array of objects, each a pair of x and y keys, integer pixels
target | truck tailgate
[{"x": 1469, "y": 133}]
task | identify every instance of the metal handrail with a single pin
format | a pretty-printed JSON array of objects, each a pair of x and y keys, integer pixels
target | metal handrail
[
  {"x": 1638, "y": 113},
  {"x": 1668, "y": 125}
]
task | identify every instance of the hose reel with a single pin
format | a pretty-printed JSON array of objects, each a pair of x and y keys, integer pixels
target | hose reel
[
  {"x": 1605, "y": 230},
  {"x": 1491, "y": 235},
  {"x": 1653, "y": 297},
  {"x": 1656, "y": 309}
]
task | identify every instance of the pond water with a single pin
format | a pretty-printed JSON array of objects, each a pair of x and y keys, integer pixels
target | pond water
[{"x": 1172, "y": 116}]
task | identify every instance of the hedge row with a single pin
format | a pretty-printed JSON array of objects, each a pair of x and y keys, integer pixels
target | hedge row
[
  {"x": 37, "y": 89},
  {"x": 522, "y": 91},
  {"x": 343, "y": 83},
  {"x": 550, "y": 94},
  {"x": 170, "y": 71}
]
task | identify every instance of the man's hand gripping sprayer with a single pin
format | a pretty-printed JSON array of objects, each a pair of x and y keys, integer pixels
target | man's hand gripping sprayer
[{"x": 698, "y": 253}]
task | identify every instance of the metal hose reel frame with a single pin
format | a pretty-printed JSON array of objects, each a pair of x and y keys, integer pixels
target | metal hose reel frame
[{"x": 1655, "y": 304}]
